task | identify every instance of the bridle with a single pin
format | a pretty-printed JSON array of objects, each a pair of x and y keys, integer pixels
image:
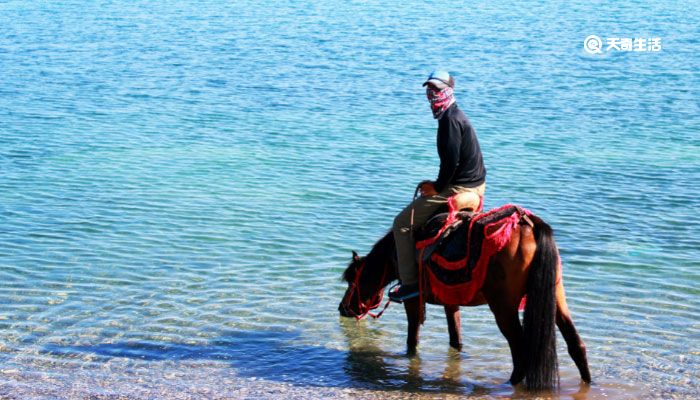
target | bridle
[{"x": 371, "y": 304}]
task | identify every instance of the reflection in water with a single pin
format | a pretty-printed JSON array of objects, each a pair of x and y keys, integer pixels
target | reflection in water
[
  {"x": 370, "y": 367},
  {"x": 282, "y": 356}
]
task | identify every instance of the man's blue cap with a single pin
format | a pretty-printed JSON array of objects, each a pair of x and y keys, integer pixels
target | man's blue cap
[{"x": 441, "y": 79}]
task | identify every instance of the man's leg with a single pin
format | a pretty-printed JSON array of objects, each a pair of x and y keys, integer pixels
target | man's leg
[{"x": 422, "y": 208}]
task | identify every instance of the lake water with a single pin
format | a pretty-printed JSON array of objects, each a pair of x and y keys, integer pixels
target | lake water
[{"x": 182, "y": 183}]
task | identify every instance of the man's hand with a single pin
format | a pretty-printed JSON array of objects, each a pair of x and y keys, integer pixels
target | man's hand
[{"x": 427, "y": 189}]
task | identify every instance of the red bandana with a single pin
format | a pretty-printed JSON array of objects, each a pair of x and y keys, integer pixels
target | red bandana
[{"x": 440, "y": 100}]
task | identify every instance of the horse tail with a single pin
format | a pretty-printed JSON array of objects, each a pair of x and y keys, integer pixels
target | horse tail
[{"x": 541, "y": 369}]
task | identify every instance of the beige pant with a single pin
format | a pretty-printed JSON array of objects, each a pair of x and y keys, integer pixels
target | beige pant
[{"x": 424, "y": 208}]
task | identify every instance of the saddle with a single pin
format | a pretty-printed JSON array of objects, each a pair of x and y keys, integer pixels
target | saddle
[{"x": 450, "y": 249}]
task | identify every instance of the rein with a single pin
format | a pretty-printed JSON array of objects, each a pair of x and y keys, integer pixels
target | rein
[{"x": 371, "y": 304}]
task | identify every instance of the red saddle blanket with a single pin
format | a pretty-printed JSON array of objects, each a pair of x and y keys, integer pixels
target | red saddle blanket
[{"x": 454, "y": 258}]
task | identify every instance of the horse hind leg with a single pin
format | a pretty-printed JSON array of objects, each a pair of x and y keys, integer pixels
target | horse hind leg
[
  {"x": 574, "y": 344},
  {"x": 508, "y": 322},
  {"x": 454, "y": 326}
]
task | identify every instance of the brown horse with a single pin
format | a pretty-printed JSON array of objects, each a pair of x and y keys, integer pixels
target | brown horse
[{"x": 527, "y": 265}]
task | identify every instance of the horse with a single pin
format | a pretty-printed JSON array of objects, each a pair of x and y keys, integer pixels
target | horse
[{"x": 528, "y": 265}]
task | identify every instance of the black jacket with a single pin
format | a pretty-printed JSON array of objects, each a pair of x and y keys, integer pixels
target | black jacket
[{"x": 461, "y": 162}]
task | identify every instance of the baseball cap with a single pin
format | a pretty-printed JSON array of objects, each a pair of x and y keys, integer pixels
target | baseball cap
[{"x": 441, "y": 79}]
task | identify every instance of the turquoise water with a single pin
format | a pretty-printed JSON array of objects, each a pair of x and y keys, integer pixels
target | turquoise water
[{"x": 182, "y": 183}]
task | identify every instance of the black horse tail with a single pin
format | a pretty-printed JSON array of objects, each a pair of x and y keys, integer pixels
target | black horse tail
[{"x": 541, "y": 369}]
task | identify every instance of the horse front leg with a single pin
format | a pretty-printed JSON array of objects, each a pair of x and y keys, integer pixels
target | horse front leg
[
  {"x": 454, "y": 326},
  {"x": 412, "y": 307}
]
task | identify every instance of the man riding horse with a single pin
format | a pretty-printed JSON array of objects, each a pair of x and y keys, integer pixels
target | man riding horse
[
  {"x": 518, "y": 259},
  {"x": 462, "y": 172}
]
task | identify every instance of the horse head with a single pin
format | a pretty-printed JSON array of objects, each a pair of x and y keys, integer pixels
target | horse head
[{"x": 366, "y": 278}]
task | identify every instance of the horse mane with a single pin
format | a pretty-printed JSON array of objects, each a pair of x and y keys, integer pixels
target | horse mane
[{"x": 375, "y": 261}]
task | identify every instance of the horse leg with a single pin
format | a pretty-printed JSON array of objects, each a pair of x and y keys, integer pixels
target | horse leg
[
  {"x": 508, "y": 322},
  {"x": 412, "y": 307},
  {"x": 574, "y": 344},
  {"x": 454, "y": 326},
  {"x": 503, "y": 289}
]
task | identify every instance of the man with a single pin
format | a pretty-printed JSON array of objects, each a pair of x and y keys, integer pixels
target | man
[{"x": 461, "y": 170}]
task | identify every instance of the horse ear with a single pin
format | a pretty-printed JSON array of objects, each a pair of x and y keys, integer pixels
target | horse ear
[{"x": 355, "y": 257}]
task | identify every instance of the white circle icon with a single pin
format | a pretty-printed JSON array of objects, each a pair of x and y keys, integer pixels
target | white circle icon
[{"x": 593, "y": 44}]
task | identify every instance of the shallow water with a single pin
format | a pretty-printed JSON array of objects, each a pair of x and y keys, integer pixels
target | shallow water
[{"x": 181, "y": 185}]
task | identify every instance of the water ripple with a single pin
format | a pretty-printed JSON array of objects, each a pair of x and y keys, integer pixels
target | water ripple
[{"x": 181, "y": 187}]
